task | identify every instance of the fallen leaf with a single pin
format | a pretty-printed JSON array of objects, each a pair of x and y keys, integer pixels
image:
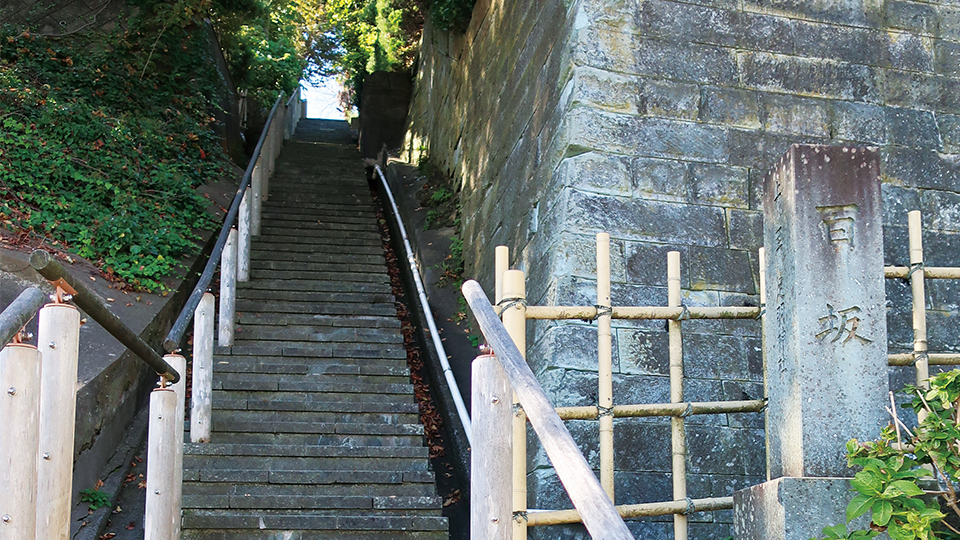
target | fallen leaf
[
  {"x": 107, "y": 536},
  {"x": 132, "y": 525}
]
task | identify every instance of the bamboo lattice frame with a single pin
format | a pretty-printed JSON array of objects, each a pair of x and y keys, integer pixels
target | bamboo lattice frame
[{"x": 510, "y": 301}]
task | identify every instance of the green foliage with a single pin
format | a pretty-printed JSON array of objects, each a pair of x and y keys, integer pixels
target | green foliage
[
  {"x": 888, "y": 483},
  {"x": 102, "y": 156},
  {"x": 451, "y": 14},
  {"x": 96, "y": 498}
]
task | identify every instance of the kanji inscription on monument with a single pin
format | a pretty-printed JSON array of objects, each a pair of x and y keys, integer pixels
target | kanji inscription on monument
[{"x": 825, "y": 328}]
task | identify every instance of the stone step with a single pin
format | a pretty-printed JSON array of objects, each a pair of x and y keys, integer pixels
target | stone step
[
  {"x": 309, "y": 229},
  {"x": 224, "y": 423},
  {"x": 381, "y": 489},
  {"x": 338, "y": 249},
  {"x": 206, "y": 534},
  {"x": 360, "y": 212},
  {"x": 319, "y": 417},
  {"x": 224, "y": 401},
  {"x": 309, "y": 397},
  {"x": 319, "y": 321},
  {"x": 313, "y": 350},
  {"x": 357, "y": 237},
  {"x": 294, "y": 225},
  {"x": 336, "y": 523},
  {"x": 329, "y": 503},
  {"x": 309, "y": 285},
  {"x": 308, "y": 383},
  {"x": 321, "y": 334},
  {"x": 318, "y": 296},
  {"x": 229, "y": 364},
  {"x": 300, "y": 257},
  {"x": 306, "y": 477},
  {"x": 327, "y": 439},
  {"x": 320, "y": 308},
  {"x": 322, "y": 272}
]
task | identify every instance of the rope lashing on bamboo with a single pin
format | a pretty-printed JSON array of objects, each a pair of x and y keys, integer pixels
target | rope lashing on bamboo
[
  {"x": 602, "y": 310},
  {"x": 508, "y": 303},
  {"x": 520, "y": 516},
  {"x": 688, "y": 411},
  {"x": 914, "y": 267},
  {"x": 763, "y": 310},
  {"x": 691, "y": 508},
  {"x": 685, "y": 314},
  {"x": 918, "y": 356},
  {"x": 604, "y": 411}
]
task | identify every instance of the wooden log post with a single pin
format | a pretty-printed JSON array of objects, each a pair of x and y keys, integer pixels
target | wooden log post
[
  {"x": 228, "y": 290},
  {"x": 490, "y": 463},
  {"x": 678, "y": 435},
  {"x": 19, "y": 445},
  {"x": 256, "y": 189},
  {"x": 59, "y": 344},
  {"x": 159, "y": 518},
  {"x": 243, "y": 232},
  {"x": 179, "y": 363},
  {"x": 201, "y": 409}
]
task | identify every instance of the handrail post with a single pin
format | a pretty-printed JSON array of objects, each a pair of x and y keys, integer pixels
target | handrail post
[
  {"x": 515, "y": 321},
  {"x": 20, "y": 443},
  {"x": 180, "y": 389},
  {"x": 243, "y": 247},
  {"x": 59, "y": 344},
  {"x": 256, "y": 186},
  {"x": 201, "y": 413},
  {"x": 490, "y": 463},
  {"x": 228, "y": 290},
  {"x": 159, "y": 519}
]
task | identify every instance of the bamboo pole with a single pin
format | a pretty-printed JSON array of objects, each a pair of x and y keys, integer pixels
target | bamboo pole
[
  {"x": 599, "y": 516},
  {"x": 677, "y": 432},
  {"x": 605, "y": 368},
  {"x": 256, "y": 187},
  {"x": 919, "y": 302},
  {"x": 929, "y": 272},
  {"x": 180, "y": 390},
  {"x": 20, "y": 411},
  {"x": 501, "y": 264},
  {"x": 665, "y": 409},
  {"x": 243, "y": 231},
  {"x": 762, "y": 263},
  {"x": 558, "y": 517},
  {"x": 59, "y": 343},
  {"x": 159, "y": 518},
  {"x": 201, "y": 410},
  {"x": 515, "y": 321},
  {"x": 490, "y": 516},
  {"x": 228, "y": 290},
  {"x": 589, "y": 313},
  {"x": 933, "y": 359}
]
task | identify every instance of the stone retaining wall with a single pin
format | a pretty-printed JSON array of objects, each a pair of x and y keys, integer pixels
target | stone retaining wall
[{"x": 656, "y": 121}]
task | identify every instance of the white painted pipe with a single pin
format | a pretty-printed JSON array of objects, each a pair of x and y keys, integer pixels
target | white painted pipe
[
  {"x": 59, "y": 344},
  {"x": 431, "y": 325},
  {"x": 159, "y": 519},
  {"x": 228, "y": 290},
  {"x": 202, "y": 395},
  {"x": 243, "y": 229},
  {"x": 19, "y": 445},
  {"x": 178, "y": 363}
]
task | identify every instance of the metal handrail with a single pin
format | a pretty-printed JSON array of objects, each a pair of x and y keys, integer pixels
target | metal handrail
[
  {"x": 599, "y": 515},
  {"x": 95, "y": 306},
  {"x": 19, "y": 313},
  {"x": 172, "y": 341}
]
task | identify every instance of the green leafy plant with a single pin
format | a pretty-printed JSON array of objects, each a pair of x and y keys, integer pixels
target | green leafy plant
[
  {"x": 95, "y": 498},
  {"x": 889, "y": 483}
]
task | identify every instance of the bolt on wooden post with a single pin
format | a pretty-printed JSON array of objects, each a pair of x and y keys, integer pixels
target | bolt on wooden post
[
  {"x": 19, "y": 445},
  {"x": 490, "y": 463},
  {"x": 159, "y": 520},
  {"x": 59, "y": 343}
]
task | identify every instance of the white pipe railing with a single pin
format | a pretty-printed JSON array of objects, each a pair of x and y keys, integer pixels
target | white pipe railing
[{"x": 431, "y": 325}]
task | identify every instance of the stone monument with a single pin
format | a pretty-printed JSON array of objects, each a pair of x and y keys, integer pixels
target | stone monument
[{"x": 825, "y": 338}]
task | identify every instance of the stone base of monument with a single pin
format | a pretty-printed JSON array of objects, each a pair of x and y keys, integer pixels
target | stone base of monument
[{"x": 792, "y": 508}]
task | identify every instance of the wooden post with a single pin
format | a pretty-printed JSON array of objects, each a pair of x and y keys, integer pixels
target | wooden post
[
  {"x": 59, "y": 344},
  {"x": 243, "y": 230},
  {"x": 919, "y": 301},
  {"x": 501, "y": 264},
  {"x": 599, "y": 515},
  {"x": 490, "y": 516},
  {"x": 159, "y": 518},
  {"x": 202, "y": 395},
  {"x": 179, "y": 363},
  {"x": 256, "y": 187},
  {"x": 228, "y": 290},
  {"x": 605, "y": 368},
  {"x": 677, "y": 433},
  {"x": 19, "y": 445},
  {"x": 515, "y": 321}
]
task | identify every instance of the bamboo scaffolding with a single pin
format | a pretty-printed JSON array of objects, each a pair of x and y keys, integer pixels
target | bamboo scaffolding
[
  {"x": 515, "y": 321},
  {"x": 678, "y": 441},
  {"x": 626, "y": 511},
  {"x": 678, "y": 313},
  {"x": 665, "y": 409},
  {"x": 919, "y": 302},
  {"x": 605, "y": 364}
]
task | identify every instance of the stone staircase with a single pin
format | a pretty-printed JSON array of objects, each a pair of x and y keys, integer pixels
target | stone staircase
[{"x": 315, "y": 428}]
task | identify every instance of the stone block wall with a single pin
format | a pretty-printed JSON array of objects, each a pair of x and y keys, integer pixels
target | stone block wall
[{"x": 656, "y": 120}]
